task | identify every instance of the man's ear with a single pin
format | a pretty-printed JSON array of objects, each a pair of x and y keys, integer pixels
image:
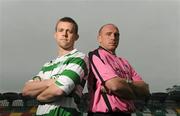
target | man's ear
[
  {"x": 99, "y": 38},
  {"x": 77, "y": 36}
]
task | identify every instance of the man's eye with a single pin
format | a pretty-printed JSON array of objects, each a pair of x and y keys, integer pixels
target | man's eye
[
  {"x": 60, "y": 30},
  {"x": 116, "y": 34},
  {"x": 70, "y": 31},
  {"x": 108, "y": 34}
]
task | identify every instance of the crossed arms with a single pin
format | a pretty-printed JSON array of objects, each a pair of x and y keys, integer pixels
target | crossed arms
[
  {"x": 135, "y": 90},
  {"x": 44, "y": 91},
  {"x": 118, "y": 85}
]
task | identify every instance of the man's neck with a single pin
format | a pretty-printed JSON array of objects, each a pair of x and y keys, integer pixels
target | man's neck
[
  {"x": 112, "y": 52},
  {"x": 62, "y": 52}
]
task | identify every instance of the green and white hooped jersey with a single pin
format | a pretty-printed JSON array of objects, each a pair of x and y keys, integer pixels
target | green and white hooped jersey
[{"x": 70, "y": 72}]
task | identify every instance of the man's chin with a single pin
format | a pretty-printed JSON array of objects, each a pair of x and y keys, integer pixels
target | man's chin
[
  {"x": 67, "y": 48},
  {"x": 113, "y": 47}
]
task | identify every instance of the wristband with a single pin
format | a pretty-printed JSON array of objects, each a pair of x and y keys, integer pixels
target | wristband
[
  {"x": 37, "y": 77},
  {"x": 103, "y": 89},
  {"x": 128, "y": 81}
]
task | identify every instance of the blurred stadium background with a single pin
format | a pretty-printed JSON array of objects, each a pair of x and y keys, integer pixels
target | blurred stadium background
[{"x": 156, "y": 104}]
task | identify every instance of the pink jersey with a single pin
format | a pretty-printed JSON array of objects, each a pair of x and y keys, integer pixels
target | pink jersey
[{"x": 109, "y": 67}]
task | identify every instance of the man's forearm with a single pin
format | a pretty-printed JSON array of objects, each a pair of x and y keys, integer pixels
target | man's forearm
[
  {"x": 125, "y": 93},
  {"x": 33, "y": 88},
  {"x": 140, "y": 88},
  {"x": 34, "y": 93},
  {"x": 120, "y": 87},
  {"x": 50, "y": 94},
  {"x": 136, "y": 90}
]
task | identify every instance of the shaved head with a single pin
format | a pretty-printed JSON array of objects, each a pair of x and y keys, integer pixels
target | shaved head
[{"x": 100, "y": 30}]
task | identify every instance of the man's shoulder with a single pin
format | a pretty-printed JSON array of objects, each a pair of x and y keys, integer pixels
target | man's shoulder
[
  {"x": 94, "y": 52},
  {"x": 122, "y": 58},
  {"x": 79, "y": 54},
  {"x": 99, "y": 52},
  {"x": 49, "y": 62}
]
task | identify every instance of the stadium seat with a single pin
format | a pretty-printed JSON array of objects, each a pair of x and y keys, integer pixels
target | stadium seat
[{"x": 10, "y": 97}]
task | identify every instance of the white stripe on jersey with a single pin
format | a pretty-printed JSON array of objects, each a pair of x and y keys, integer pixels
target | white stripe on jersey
[
  {"x": 66, "y": 81},
  {"x": 76, "y": 68}
]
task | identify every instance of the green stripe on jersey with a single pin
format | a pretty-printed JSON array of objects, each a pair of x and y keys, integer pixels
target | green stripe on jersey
[
  {"x": 62, "y": 111},
  {"x": 71, "y": 54},
  {"x": 78, "y": 61},
  {"x": 72, "y": 75},
  {"x": 49, "y": 68},
  {"x": 59, "y": 84}
]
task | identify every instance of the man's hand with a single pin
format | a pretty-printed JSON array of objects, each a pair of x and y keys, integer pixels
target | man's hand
[
  {"x": 51, "y": 93},
  {"x": 34, "y": 88},
  {"x": 140, "y": 88},
  {"x": 120, "y": 87}
]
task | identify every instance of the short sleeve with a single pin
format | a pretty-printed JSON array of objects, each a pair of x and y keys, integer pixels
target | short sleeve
[
  {"x": 75, "y": 69},
  {"x": 104, "y": 69}
]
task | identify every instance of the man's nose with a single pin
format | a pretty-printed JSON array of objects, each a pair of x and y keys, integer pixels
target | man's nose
[
  {"x": 113, "y": 37},
  {"x": 65, "y": 33}
]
